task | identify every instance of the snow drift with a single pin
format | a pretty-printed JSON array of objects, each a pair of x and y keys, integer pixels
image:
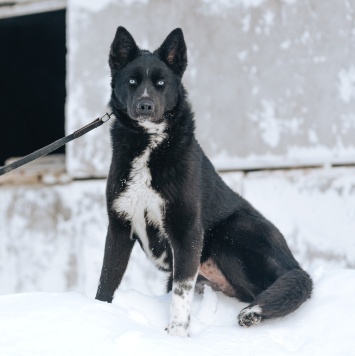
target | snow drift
[{"x": 69, "y": 324}]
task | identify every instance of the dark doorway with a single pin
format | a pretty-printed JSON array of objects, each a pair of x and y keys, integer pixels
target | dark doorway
[{"x": 32, "y": 82}]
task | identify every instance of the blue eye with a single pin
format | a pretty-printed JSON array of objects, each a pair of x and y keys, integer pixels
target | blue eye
[
  {"x": 160, "y": 83},
  {"x": 132, "y": 81}
]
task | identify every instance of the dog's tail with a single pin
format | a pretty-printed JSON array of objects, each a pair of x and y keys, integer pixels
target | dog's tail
[{"x": 283, "y": 297}]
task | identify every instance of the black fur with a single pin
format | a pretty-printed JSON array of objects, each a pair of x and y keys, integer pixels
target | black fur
[{"x": 203, "y": 219}]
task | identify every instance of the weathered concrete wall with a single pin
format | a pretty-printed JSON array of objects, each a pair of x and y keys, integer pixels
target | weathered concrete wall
[
  {"x": 272, "y": 82},
  {"x": 47, "y": 233},
  {"x": 315, "y": 210},
  {"x": 52, "y": 237}
]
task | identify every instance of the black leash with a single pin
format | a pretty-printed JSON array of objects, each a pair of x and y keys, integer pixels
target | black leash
[{"x": 56, "y": 144}]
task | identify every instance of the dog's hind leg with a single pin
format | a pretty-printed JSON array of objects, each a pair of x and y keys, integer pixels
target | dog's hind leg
[
  {"x": 284, "y": 296},
  {"x": 254, "y": 257},
  {"x": 118, "y": 249}
]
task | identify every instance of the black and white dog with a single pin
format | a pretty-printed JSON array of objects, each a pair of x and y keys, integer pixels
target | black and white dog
[{"x": 163, "y": 192}]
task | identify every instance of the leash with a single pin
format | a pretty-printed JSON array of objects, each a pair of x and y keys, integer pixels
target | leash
[{"x": 56, "y": 144}]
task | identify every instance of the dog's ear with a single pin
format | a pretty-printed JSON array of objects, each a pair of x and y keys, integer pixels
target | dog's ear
[
  {"x": 123, "y": 49},
  {"x": 173, "y": 52}
]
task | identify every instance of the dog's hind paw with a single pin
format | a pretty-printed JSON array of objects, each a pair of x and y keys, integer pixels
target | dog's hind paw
[{"x": 250, "y": 316}]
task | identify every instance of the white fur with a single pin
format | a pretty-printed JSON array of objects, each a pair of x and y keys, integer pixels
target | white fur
[
  {"x": 156, "y": 130},
  {"x": 131, "y": 204},
  {"x": 255, "y": 309},
  {"x": 182, "y": 296},
  {"x": 145, "y": 93},
  {"x": 253, "y": 315},
  {"x": 139, "y": 196}
]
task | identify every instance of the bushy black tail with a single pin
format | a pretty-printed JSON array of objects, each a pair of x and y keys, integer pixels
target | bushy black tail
[{"x": 283, "y": 297}]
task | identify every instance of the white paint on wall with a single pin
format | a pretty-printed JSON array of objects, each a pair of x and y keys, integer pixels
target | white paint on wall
[
  {"x": 319, "y": 154},
  {"x": 255, "y": 90},
  {"x": 243, "y": 55},
  {"x": 305, "y": 37},
  {"x": 99, "y": 5},
  {"x": 319, "y": 59},
  {"x": 312, "y": 136},
  {"x": 347, "y": 122},
  {"x": 297, "y": 156},
  {"x": 213, "y": 7},
  {"x": 285, "y": 44},
  {"x": 267, "y": 21},
  {"x": 268, "y": 18},
  {"x": 246, "y": 23},
  {"x": 271, "y": 126},
  {"x": 274, "y": 68},
  {"x": 267, "y": 123},
  {"x": 346, "y": 84}
]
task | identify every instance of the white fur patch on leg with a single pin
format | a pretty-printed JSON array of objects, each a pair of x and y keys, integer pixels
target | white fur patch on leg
[
  {"x": 182, "y": 296},
  {"x": 250, "y": 316}
]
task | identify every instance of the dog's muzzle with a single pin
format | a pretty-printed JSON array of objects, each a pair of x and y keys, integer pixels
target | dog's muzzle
[{"x": 145, "y": 107}]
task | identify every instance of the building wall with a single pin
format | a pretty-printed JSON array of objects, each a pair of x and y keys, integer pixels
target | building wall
[
  {"x": 52, "y": 237},
  {"x": 272, "y": 82}
]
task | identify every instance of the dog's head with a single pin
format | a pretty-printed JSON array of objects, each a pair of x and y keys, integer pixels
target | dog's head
[{"x": 147, "y": 86}]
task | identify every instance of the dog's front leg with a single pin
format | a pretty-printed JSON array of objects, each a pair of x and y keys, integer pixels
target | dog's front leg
[
  {"x": 118, "y": 249},
  {"x": 186, "y": 257}
]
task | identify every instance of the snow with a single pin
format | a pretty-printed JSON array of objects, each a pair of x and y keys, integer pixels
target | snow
[{"x": 69, "y": 324}]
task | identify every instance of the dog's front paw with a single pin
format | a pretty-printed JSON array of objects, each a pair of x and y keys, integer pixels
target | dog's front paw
[
  {"x": 250, "y": 316},
  {"x": 178, "y": 330}
]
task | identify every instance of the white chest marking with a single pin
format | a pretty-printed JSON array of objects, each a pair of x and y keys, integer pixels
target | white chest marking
[{"x": 140, "y": 202}]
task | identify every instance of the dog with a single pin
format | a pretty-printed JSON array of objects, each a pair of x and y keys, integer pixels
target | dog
[{"x": 163, "y": 192}]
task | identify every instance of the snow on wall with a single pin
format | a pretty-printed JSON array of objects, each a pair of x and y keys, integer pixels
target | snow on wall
[
  {"x": 272, "y": 82},
  {"x": 52, "y": 237}
]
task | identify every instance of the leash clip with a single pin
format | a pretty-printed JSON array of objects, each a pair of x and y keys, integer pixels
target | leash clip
[{"x": 108, "y": 117}]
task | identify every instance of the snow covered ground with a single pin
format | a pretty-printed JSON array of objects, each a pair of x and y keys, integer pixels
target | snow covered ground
[
  {"x": 69, "y": 324},
  {"x": 51, "y": 240}
]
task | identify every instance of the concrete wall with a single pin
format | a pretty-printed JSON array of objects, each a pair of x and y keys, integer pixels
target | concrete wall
[
  {"x": 52, "y": 237},
  {"x": 272, "y": 82}
]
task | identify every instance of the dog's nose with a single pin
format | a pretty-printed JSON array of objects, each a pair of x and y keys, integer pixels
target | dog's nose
[{"x": 145, "y": 107}]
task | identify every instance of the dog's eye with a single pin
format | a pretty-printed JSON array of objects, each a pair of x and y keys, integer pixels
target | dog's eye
[
  {"x": 132, "y": 81},
  {"x": 160, "y": 83}
]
